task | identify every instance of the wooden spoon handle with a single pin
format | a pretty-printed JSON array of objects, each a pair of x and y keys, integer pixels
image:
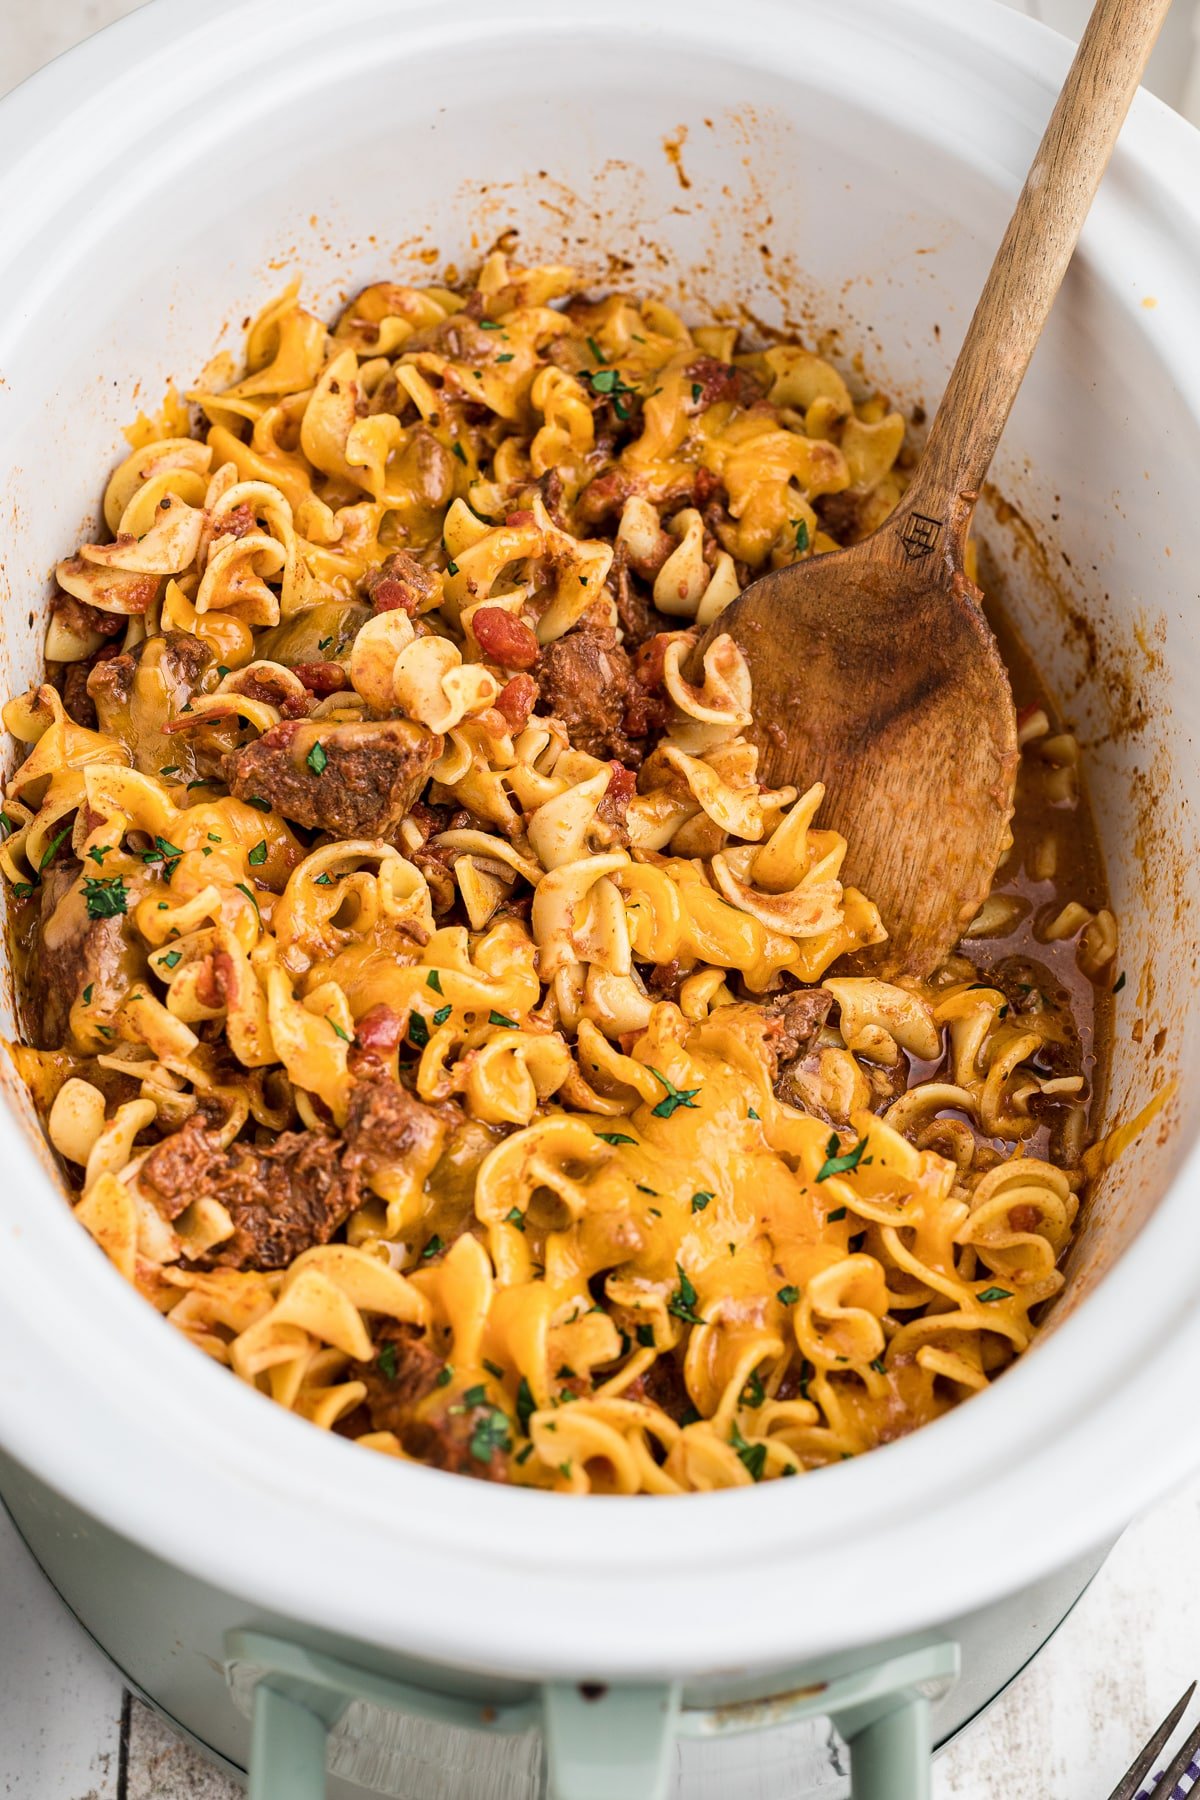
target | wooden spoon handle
[{"x": 1030, "y": 264}]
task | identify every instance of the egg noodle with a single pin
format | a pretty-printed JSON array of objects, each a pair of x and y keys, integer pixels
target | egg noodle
[{"x": 430, "y": 1005}]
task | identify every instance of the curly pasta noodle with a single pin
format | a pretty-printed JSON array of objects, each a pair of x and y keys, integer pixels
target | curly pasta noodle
[{"x": 424, "y": 990}]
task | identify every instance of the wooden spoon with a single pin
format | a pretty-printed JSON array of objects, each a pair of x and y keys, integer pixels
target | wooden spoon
[{"x": 874, "y": 669}]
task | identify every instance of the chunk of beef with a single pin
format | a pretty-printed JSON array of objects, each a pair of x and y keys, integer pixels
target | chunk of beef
[
  {"x": 353, "y": 780},
  {"x": 417, "y": 1367},
  {"x": 585, "y": 680},
  {"x": 399, "y": 583},
  {"x": 385, "y": 1124},
  {"x": 71, "y": 680},
  {"x": 721, "y": 381},
  {"x": 137, "y": 694},
  {"x": 1034, "y": 992},
  {"x": 794, "y": 1020},
  {"x": 841, "y": 515},
  {"x": 283, "y": 1197},
  {"x": 72, "y": 952}
]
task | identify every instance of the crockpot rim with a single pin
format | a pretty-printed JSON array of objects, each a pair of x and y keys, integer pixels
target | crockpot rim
[{"x": 582, "y": 1558}]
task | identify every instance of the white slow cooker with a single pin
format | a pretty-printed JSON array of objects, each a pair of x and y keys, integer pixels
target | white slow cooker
[{"x": 839, "y": 167}]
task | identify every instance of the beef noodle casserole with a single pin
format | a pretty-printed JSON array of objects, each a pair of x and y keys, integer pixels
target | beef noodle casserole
[{"x": 436, "y": 1017}]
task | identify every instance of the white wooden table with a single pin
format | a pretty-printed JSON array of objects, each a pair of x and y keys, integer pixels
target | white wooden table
[{"x": 1066, "y": 1728}]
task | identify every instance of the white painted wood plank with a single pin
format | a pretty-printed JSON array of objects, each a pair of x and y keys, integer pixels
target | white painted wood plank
[{"x": 60, "y": 1703}]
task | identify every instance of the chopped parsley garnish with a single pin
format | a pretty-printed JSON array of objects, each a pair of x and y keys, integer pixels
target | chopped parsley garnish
[
  {"x": 595, "y": 349},
  {"x": 616, "y": 1137},
  {"x": 387, "y": 1361},
  {"x": 751, "y": 1114},
  {"x": 104, "y": 896},
  {"x": 839, "y": 1212},
  {"x": 257, "y": 800},
  {"x": 7, "y": 823},
  {"x": 493, "y": 1369},
  {"x": 344, "y": 1035},
  {"x": 52, "y": 846},
  {"x": 433, "y": 980},
  {"x": 418, "y": 1030},
  {"x": 609, "y": 383},
  {"x": 645, "y": 1336},
  {"x": 995, "y": 1293},
  {"x": 489, "y": 325},
  {"x": 452, "y": 568},
  {"x": 700, "y": 1201},
  {"x": 88, "y": 992},
  {"x": 498, "y": 1018},
  {"x": 564, "y": 1373},
  {"x": 317, "y": 759},
  {"x": 434, "y": 1247},
  {"x": 456, "y": 449},
  {"x": 754, "y": 1393},
  {"x": 877, "y": 1365},
  {"x": 683, "y": 1301},
  {"x": 676, "y": 1097},
  {"x": 258, "y": 854},
  {"x": 490, "y": 1434},
  {"x": 506, "y": 357},
  {"x": 806, "y": 1375},
  {"x": 171, "y": 769},
  {"x": 1119, "y": 983},
  {"x": 697, "y": 390},
  {"x": 442, "y": 1014},
  {"x": 642, "y": 1189},
  {"x": 214, "y": 837},
  {"x": 205, "y": 781},
  {"x": 515, "y": 1217},
  {"x": 526, "y": 1405},
  {"x": 801, "y": 534},
  {"x": 243, "y": 889},
  {"x": 445, "y": 1375},
  {"x": 325, "y": 879},
  {"x": 840, "y": 1165},
  {"x": 753, "y": 1457},
  {"x": 524, "y": 1455},
  {"x": 104, "y": 1030},
  {"x": 172, "y": 959},
  {"x": 164, "y": 850},
  {"x": 324, "y": 643},
  {"x": 788, "y": 1295}
]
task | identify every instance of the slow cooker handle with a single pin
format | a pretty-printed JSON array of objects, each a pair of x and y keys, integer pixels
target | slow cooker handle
[{"x": 602, "y": 1743}]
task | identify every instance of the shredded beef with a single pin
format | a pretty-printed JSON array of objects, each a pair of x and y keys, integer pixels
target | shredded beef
[
  {"x": 399, "y": 583},
  {"x": 354, "y": 780},
  {"x": 663, "y": 1386},
  {"x": 82, "y": 619},
  {"x": 71, "y": 952},
  {"x": 637, "y": 615},
  {"x": 385, "y": 1124},
  {"x": 283, "y": 1197},
  {"x": 585, "y": 678},
  {"x": 406, "y": 1371}
]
